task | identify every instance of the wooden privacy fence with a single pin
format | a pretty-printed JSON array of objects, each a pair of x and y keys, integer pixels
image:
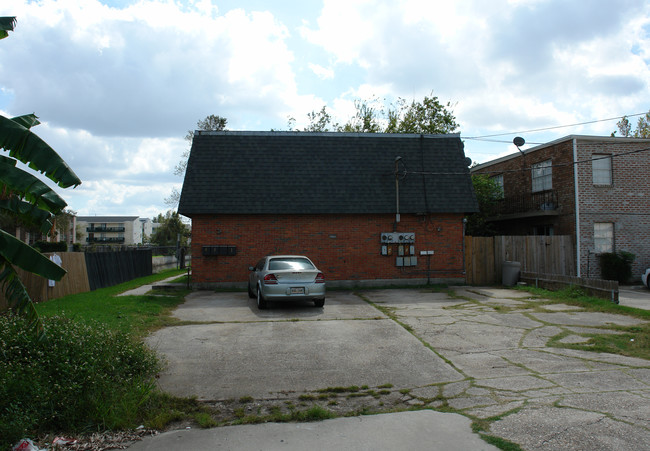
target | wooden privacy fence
[
  {"x": 484, "y": 256},
  {"x": 86, "y": 272},
  {"x": 605, "y": 289},
  {"x": 75, "y": 281}
]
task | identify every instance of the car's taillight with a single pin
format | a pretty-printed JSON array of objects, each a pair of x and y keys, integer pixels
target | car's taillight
[
  {"x": 270, "y": 279},
  {"x": 320, "y": 278}
]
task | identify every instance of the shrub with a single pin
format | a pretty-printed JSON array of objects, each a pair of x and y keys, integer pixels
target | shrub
[
  {"x": 46, "y": 246},
  {"x": 616, "y": 265},
  {"x": 79, "y": 378}
]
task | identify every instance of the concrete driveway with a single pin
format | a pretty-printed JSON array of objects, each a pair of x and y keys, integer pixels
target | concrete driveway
[
  {"x": 637, "y": 296},
  {"x": 483, "y": 353}
]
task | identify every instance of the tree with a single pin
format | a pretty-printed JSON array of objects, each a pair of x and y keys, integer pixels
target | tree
[
  {"x": 375, "y": 116},
  {"x": 642, "y": 127},
  {"x": 63, "y": 221},
  {"x": 488, "y": 192},
  {"x": 211, "y": 123},
  {"x": 170, "y": 228},
  {"x": 26, "y": 198},
  {"x": 426, "y": 117}
]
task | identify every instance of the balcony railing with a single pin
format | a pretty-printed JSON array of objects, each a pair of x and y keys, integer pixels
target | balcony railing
[
  {"x": 542, "y": 203},
  {"x": 105, "y": 240},
  {"x": 104, "y": 229}
]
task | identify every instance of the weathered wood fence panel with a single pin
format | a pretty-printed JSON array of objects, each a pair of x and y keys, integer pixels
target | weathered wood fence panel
[
  {"x": 75, "y": 281},
  {"x": 86, "y": 272},
  {"x": 605, "y": 289},
  {"x": 484, "y": 256}
]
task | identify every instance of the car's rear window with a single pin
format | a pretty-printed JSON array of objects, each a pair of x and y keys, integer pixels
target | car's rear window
[{"x": 295, "y": 264}]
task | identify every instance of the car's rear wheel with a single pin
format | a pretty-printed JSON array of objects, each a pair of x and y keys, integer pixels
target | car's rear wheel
[
  {"x": 261, "y": 302},
  {"x": 319, "y": 302}
]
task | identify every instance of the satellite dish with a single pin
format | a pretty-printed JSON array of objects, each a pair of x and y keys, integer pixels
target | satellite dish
[{"x": 519, "y": 141}]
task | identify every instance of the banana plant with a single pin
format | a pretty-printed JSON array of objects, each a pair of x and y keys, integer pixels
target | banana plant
[
  {"x": 26, "y": 197},
  {"x": 6, "y": 24}
]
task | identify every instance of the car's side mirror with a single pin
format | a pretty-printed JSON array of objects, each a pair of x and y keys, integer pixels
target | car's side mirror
[{"x": 251, "y": 268}]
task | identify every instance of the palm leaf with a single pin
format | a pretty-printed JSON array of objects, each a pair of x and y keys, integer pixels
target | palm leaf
[
  {"x": 18, "y": 298},
  {"x": 26, "y": 257},
  {"x": 6, "y": 24},
  {"x": 27, "y": 120},
  {"x": 28, "y": 213},
  {"x": 26, "y": 185},
  {"x": 27, "y": 147}
]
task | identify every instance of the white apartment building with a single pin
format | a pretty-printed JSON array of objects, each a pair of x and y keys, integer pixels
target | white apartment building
[{"x": 126, "y": 230}]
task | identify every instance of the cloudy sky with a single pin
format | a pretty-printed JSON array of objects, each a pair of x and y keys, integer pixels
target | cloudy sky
[{"x": 118, "y": 83}]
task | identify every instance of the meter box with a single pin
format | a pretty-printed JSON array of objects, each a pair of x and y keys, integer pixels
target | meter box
[
  {"x": 208, "y": 251},
  {"x": 398, "y": 237}
]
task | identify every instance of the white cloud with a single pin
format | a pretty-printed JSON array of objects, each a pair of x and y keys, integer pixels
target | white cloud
[
  {"x": 117, "y": 87},
  {"x": 324, "y": 73},
  {"x": 153, "y": 68}
]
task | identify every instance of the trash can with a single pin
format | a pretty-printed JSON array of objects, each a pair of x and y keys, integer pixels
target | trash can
[{"x": 511, "y": 273}]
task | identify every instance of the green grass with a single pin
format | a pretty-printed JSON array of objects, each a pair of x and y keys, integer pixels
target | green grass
[
  {"x": 92, "y": 372},
  {"x": 634, "y": 341},
  {"x": 135, "y": 315},
  {"x": 314, "y": 413}
]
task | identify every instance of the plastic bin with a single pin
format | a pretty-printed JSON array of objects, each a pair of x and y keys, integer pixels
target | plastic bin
[{"x": 511, "y": 272}]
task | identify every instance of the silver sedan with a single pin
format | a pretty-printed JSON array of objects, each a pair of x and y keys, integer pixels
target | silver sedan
[{"x": 286, "y": 278}]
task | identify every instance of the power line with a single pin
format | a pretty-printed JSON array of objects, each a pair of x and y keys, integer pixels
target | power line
[
  {"x": 552, "y": 128},
  {"x": 496, "y": 140},
  {"x": 529, "y": 168}
]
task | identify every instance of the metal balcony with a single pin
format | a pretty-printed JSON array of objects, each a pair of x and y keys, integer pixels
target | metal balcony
[
  {"x": 104, "y": 229},
  {"x": 525, "y": 205}
]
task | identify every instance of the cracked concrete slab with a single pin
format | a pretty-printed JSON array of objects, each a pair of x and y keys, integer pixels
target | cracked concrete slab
[
  {"x": 516, "y": 383},
  {"x": 481, "y": 351},
  {"x": 513, "y": 371},
  {"x": 601, "y": 381},
  {"x": 550, "y": 428},
  {"x": 623, "y": 406},
  {"x": 590, "y": 319}
]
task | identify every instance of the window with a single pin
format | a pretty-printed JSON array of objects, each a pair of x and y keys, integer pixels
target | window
[
  {"x": 498, "y": 180},
  {"x": 542, "y": 176},
  {"x": 544, "y": 230},
  {"x": 604, "y": 236},
  {"x": 601, "y": 166}
]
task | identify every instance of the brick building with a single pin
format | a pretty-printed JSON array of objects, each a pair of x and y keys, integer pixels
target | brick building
[
  {"x": 591, "y": 187},
  {"x": 332, "y": 197}
]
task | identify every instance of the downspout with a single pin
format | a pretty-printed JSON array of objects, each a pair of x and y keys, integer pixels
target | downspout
[
  {"x": 577, "y": 202},
  {"x": 397, "y": 218}
]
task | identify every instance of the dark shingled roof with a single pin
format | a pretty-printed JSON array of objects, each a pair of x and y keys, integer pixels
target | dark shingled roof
[{"x": 332, "y": 173}]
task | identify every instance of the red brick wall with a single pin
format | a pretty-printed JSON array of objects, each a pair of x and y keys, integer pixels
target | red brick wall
[{"x": 344, "y": 247}]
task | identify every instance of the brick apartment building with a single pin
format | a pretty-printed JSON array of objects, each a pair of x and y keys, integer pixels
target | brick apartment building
[
  {"x": 596, "y": 189},
  {"x": 332, "y": 197}
]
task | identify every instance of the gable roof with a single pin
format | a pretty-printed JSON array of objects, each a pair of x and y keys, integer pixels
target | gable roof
[
  {"x": 331, "y": 173},
  {"x": 578, "y": 138}
]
